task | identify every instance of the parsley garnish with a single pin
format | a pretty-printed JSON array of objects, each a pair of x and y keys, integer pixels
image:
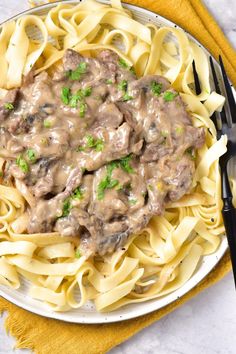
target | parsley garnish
[
  {"x": 190, "y": 151},
  {"x": 77, "y": 254},
  {"x": 82, "y": 109},
  {"x": 65, "y": 95},
  {"x": 31, "y": 155},
  {"x": 107, "y": 182},
  {"x": 80, "y": 148},
  {"x": 9, "y": 106},
  {"x": 22, "y": 164},
  {"x": 109, "y": 82},
  {"x": 179, "y": 130},
  {"x": 132, "y": 70},
  {"x": 79, "y": 96},
  {"x": 87, "y": 91},
  {"x": 76, "y": 74},
  {"x": 132, "y": 201},
  {"x": 111, "y": 166},
  {"x": 164, "y": 133},
  {"x": 44, "y": 141},
  {"x": 47, "y": 123},
  {"x": 123, "y": 85},
  {"x": 127, "y": 97},
  {"x": 74, "y": 99},
  {"x": 169, "y": 96},
  {"x": 156, "y": 88},
  {"x": 125, "y": 164},
  {"x": 66, "y": 207},
  {"x": 77, "y": 194},
  {"x": 97, "y": 144},
  {"x": 123, "y": 64}
]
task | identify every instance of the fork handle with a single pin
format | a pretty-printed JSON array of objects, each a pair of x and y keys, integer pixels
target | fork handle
[{"x": 229, "y": 217}]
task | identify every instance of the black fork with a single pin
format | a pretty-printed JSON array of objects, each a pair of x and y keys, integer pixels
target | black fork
[{"x": 223, "y": 124}]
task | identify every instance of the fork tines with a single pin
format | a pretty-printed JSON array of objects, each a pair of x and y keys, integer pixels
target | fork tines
[
  {"x": 217, "y": 88},
  {"x": 196, "y": 80},
  {"x": 230, "y": 96},
  {"x": 228, "y": 89},
  {"x": 228, "y": 209}
]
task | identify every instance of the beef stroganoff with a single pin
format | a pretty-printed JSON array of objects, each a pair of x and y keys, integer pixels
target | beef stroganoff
[{"x": 109, "y": 161}]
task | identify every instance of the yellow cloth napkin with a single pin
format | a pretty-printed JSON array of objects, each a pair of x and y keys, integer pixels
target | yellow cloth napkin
[{"x": 46, "y": 336}]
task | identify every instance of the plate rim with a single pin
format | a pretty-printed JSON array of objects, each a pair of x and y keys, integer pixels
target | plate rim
[{"x": 188, "y": 286}]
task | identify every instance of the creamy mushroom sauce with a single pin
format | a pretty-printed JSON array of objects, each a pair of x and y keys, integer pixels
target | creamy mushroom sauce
[{"x": 96, "y": 151}]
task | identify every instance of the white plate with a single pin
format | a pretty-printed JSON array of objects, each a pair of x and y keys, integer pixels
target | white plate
[{"x": 88, "y": 313}]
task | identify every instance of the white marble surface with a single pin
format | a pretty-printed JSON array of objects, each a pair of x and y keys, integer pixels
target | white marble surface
[{"x": 207, "y": 323}]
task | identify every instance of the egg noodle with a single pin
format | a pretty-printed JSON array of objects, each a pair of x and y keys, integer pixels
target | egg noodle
[{"x": 164, "y": 255}]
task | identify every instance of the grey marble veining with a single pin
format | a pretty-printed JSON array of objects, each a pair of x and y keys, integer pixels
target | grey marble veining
[
  {"x": 207, "y": 323},
  {"x": 224, "y": 12}
]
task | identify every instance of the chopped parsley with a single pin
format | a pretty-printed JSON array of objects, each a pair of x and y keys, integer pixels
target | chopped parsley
[
  {"x": 79, "y": 96},
  {"x": 9, "y": 106},
  {"x": 66, "y": 207},
  {"x": 119, "y": 187},
  {"x": 179, "y": 130},
  {"x": 169, "y": 96},
  {"x": 74, "y": 100},
  {"x": 78, "y": 194},
  {"x": 106, "y": 183},
  {"x": 190, "y": 151},
  {"x": 156, "y": 88},
  {"x": 123, "y": 85},
  {"x": 76, "y": 74},
  {"x": 47, "y": 123},
  {"x": 82, "y": 109},
  {"x": 77, "y": 254},
  {"x": 132, "y": 70},
  {"x": 123, "y": 64},
  {"x": 80, "y": 148},
  {"x": 111, "y": 166},
  {"x": 125, "y": 164},
  {"x": 87, "y": 91},
  {"x": 127, "y": 97},
  {"x": 31, "y": 154},
  {"x": 44, "y": 141},
  {"x": 97, "y": 144},
  {"x": 65, "y": 95},
  {"x": 164, "y": 133},
  {"x": 22, "y": 164},
  {"x": 132, "y": 201},
  {"x": 109, "y": 82}
]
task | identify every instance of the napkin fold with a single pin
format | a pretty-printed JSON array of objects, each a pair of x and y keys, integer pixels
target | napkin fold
[{"x": 44, "y": 335}]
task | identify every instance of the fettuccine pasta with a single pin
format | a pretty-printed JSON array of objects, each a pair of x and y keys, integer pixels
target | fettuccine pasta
[{"x": 164, "y": 255}]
